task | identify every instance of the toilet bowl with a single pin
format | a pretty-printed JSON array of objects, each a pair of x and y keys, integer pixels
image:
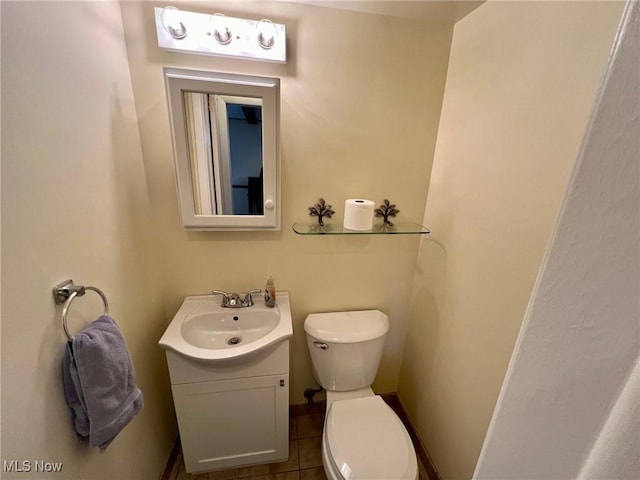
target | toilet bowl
[{"x": 362, "y": 438}]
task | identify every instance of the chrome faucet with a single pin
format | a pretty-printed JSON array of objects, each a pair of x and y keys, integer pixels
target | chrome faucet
[
  {"x": 233, "y": 300},
  {"x": 248, "y": 299}
]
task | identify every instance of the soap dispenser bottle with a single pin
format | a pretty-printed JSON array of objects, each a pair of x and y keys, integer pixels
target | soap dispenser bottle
[{"x": 270, "y": 293}]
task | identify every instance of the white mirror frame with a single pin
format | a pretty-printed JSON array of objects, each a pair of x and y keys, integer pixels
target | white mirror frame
[{"x": 267, "y": 90}]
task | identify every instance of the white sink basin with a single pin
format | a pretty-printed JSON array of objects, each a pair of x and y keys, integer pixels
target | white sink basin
[{"x": 203, "y": 330}]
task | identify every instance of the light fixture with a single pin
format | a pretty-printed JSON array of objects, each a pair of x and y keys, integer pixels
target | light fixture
[
  {"x": 217, "y": 34},
  {"x": 218, "y": 29},
  {"x": 171, "y": 21},
  {"x": 267, "y": 33}
]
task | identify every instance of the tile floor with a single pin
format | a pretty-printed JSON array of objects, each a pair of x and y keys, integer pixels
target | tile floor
[{"x": 305, "y": 454}]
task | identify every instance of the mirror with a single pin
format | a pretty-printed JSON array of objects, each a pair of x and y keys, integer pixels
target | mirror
[{"x": 225, "y": 141}]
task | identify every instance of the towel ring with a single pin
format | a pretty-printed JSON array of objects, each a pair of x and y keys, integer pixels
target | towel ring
[{"x": 66, "y": 291}]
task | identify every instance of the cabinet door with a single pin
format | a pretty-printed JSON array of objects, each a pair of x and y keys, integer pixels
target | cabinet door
[{"x": 229, "y": 423}]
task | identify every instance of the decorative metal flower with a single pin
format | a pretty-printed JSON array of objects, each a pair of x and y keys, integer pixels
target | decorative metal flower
[
  {"x": 386, "y": 210},
  {"x": 320, "y": 210}
]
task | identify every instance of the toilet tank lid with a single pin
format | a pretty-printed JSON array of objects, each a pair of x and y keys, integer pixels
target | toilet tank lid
[{"x": 347, "y": 327}]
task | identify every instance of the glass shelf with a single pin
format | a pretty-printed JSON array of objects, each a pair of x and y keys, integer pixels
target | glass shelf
[{"x": 398, "y": 228}]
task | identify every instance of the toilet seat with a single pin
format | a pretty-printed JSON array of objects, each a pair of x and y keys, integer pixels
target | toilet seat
[{"x": 366, "y": 440}]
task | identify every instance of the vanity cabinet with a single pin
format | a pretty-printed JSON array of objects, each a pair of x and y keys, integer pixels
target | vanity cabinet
[{"x": 235, "y": 413}]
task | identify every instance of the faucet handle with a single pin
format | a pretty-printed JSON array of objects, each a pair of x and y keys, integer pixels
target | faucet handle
[
  {"x": 225, "y": 296},
  {"x": 248, "y": 299}
]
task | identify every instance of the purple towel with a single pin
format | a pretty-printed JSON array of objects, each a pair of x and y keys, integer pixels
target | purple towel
[{"x": 99, "y": 382}]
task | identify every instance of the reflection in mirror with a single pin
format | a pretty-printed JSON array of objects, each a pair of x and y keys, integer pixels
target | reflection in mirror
[
  {"x": 225, "y": 149},
  {"x": 225, "y": 136}
]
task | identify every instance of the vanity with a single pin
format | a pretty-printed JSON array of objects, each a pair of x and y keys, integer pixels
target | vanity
[{"x": 229, "y": 370}]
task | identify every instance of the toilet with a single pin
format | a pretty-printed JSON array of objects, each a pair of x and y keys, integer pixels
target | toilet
[{"x": 363, "y": 438}]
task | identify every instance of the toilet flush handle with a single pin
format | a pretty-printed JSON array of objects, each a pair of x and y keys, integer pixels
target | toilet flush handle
[{"x": 321, "y": 345}]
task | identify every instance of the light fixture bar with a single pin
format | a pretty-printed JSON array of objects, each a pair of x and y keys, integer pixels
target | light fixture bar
[{"x": 220, "y": 35}]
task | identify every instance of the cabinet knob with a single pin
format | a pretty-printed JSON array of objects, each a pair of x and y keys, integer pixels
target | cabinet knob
[{"x": 282, "y": 382}]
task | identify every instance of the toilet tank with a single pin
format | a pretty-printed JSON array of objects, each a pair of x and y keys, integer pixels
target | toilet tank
[{"x": 346, "y": 347}]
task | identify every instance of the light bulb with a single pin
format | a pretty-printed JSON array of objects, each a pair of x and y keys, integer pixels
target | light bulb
[
  {"x": 219, "y": 29},
  {"x": 171, "y": 19},
  {"x": 267, "y": 33}
]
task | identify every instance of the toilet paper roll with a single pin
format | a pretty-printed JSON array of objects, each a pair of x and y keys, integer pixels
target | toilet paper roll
[{"x": 358, "y": 214}]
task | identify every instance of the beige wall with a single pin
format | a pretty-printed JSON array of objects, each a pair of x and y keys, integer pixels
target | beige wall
[
  {"x": 521, "y": 83},
  {"x": 74, "y": 205},
  {"x": 360, "y": 104},
  {"x": 580, "y": 338}
]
